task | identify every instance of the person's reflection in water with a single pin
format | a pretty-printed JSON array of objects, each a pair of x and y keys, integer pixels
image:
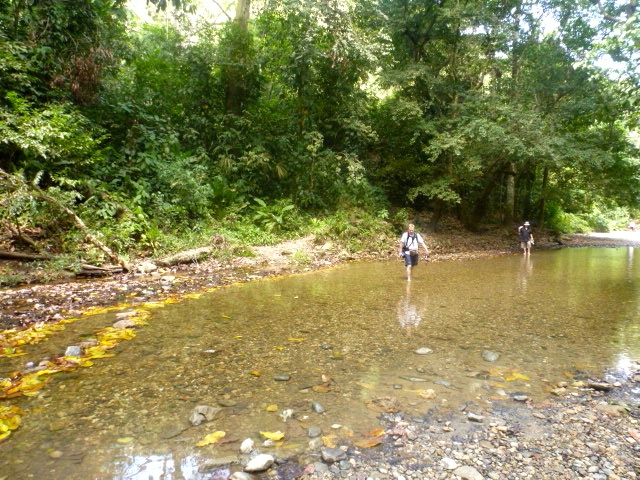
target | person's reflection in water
[
  {"x": 525, "y": 272},
  {"x": 409, "y": 316}
]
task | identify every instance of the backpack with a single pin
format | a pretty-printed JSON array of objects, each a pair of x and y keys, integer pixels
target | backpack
[{"x": 405, "y": 247}]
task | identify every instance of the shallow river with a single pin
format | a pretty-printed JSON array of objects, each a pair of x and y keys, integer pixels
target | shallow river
[{"x": 330, "y": 349}]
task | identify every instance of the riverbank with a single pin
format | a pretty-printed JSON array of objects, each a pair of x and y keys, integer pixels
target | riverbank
[{"x": 36, "y": 302}]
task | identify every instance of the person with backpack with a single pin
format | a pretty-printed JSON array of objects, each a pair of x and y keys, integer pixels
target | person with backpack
[
  {"x": 526, "y": 238},
  {"x": 409, "y": 243}
]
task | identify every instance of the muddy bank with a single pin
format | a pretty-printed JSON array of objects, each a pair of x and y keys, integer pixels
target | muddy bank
[{"x": 46, "y": 302}]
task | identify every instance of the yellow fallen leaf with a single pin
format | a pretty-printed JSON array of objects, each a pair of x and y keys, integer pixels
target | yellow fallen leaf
[
  {"x": 125, "y": 440},
  {"x": 273, "y": 435},
  {"x": 368, "y": 442},
  {"x": 296, "y": 339},
  {"x": 225, "y": 316},
  {"x": 272, "y": 408},
  {"x": 516, "y": 376},
  {"x": 255, "y": 373},
  {"x": 211, "y": 438},
  {"x": 320, "y": 388}
]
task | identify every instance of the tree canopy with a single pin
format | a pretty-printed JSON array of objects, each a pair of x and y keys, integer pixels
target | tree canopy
[{"x": 492, "y": 112}]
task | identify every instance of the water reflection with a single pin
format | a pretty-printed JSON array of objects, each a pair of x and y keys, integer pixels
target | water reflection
[
  {"x": 409, "y": 313},
  {"x": 345, "y": 338},
  {"x": 524, "y": 274}
]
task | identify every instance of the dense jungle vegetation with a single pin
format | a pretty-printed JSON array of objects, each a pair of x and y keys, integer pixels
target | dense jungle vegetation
[{"x": 249, "y": 122}]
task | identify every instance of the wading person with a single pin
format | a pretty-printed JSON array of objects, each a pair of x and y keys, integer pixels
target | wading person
[
  {"x": 409, "y": 243},
  {"x": 526, "y": 237}
]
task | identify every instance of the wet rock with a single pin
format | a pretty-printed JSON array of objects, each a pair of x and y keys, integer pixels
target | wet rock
[
  {"x": 202, "y": 413},
  {"x": 282, "y": 378},
  {"x": 317, "y": 407},
  {"x": 314, "y": 432},
  {"x": 600, "y": 386},
  {"x": 124, "y": 323},
  {"x": 489, "y": 356},
  {"x": 247, "y": 446},
  {"x": 333, "y": 455},
  {"x": 423, "y": 351},
  {"x": 259, "y": 463},
  {"x": 73, "y": 351},
  {"x": 474, "y": 417}
]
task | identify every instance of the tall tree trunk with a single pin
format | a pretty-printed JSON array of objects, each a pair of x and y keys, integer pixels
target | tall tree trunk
[
  {"x": 545, "y": 180},
  {"x": 235, "y": 89},
  {"x": 510, "y": 200}
]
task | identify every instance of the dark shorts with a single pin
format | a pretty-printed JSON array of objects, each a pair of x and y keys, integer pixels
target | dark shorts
[{"x": 411, "y": 259}]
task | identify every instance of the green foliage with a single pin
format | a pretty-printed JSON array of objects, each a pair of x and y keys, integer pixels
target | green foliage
[
  {"x": 53, "y": 138},
  {"x": 355, "y": 229},
  {"x": 274, "y": 218}
]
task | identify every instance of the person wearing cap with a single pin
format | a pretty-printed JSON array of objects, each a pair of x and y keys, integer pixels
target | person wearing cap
[
  {"x": 526, "y": 237},
  {"x": 409, "y": 243}
]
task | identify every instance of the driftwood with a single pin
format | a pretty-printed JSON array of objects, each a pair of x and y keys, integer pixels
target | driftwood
[
  {"x": 23, "y": 256},
  {"x": 94, "y": 271},
  {"x": 188, "y": 256}
]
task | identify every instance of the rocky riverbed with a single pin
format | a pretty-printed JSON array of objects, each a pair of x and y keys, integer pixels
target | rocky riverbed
[
  {"x": 578, "y": 433},
  {"x": 587, "y": 428}
]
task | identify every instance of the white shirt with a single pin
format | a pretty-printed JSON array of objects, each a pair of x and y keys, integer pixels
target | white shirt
[{"x": 412, "y": 242}]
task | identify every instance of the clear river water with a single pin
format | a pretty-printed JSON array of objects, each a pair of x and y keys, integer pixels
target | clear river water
[{"x": 331, "y": 349}]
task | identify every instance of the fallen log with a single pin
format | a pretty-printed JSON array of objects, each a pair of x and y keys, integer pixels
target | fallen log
[
  {"x": 188, "y": 256},
  {"x": 94, "y": 271},
  {"x": 23, "y": 256}
]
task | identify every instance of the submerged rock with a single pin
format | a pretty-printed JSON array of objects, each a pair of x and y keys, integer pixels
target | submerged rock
[{"x": 259, "y": 463}]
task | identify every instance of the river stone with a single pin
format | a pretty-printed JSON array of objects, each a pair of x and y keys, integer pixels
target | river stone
[
  {"x": 247, "y": 445},
  {"x": 314, "y": 432},
  {"x": 489, "y": 356},
  {"x": 282, "y": 378},
  {"x": 124, "y": 323},
  {"x": 423, "y": 351},
  {"x": 202, "y": 413},
  {"x": 333, "y": 455},
  {"x": 259, "y": 463},
  {"x": 468, "y": 473},
  {"x": 317, "y": 407},
  {"x": 73, "y": 351},
  {"x": 474, "y": 417}
]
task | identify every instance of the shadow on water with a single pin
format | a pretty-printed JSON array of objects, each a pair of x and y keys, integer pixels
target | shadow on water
[{"x": 330, "y": 349}]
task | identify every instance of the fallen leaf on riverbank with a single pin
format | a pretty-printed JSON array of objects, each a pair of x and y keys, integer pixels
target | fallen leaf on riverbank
[{"x": 10, "y": 420}]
